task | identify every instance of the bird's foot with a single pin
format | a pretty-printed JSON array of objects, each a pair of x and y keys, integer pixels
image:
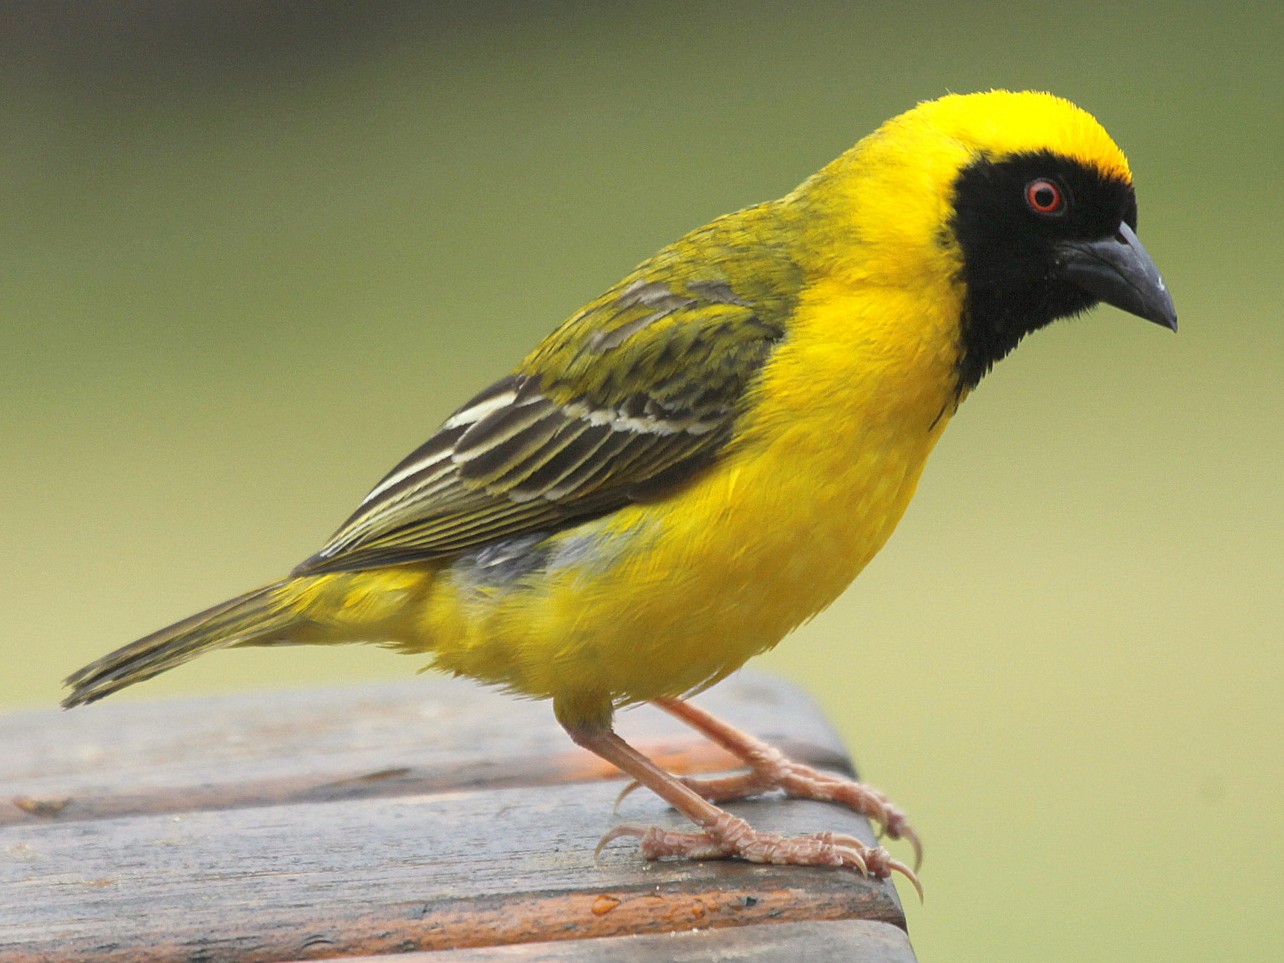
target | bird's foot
[
  {"x": 728, "y": 836},
  {"x": 770, "y": 769}
]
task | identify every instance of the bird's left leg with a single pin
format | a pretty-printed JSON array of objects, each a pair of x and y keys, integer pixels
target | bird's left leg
[
  {"x": 722, "y": 835},
  {"x": 770, "y": 769}
]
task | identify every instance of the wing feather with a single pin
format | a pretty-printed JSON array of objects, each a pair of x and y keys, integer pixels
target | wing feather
[{"x": 630, "y": 397}]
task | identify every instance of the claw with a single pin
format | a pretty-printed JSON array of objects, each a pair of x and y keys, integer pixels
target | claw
[
  {"x": 896, "y": 866},
  {"x": 853, "y": 858},
  {"x": 624, "y": 829},
  {"x": 896, "y": 826},
  {"x": 842, "y": 839},
  {"x": 623, "y": 793},
  {"x": 912, "y": 838}
]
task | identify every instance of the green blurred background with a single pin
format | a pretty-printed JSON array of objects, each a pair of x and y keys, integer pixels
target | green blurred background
[{"x": 253, "y": 253}]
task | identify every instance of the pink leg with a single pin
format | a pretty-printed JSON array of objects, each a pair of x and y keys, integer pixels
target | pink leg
[
  {"x": 721, "y": 834},
  {"x": 769, "y": 769}
]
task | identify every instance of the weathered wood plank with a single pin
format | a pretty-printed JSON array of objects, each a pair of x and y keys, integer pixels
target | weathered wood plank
[
  {"x": 837, "y": 941},
  {"x": 326, "y": 855},
  {"x": 420, "y": 735},
  {"x": 388, "y": 875}
]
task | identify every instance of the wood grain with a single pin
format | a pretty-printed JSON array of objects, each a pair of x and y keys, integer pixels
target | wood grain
[
  {"x": 837, "y": 941},
  {"x": 373, "y": 820},
  {"x": 420, "y": 735}
]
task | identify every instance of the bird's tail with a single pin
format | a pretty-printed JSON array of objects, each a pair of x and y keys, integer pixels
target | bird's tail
[{"x": 260, "y": 617}]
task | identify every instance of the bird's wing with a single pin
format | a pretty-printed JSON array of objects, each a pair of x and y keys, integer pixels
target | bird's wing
[{"x": 630, "y": 397}]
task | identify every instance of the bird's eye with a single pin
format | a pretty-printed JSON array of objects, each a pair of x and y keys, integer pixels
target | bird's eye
[{"x": 1045, "y": 197}]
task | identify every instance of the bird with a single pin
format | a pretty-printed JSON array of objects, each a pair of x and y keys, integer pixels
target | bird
[{"x": 704, "y": 457}]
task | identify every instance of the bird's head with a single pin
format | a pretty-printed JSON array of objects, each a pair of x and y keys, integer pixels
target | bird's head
[{"x": 1020, "y": 202}]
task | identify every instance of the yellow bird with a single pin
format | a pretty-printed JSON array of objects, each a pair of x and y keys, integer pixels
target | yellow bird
[{"x": 706, "y": 455}]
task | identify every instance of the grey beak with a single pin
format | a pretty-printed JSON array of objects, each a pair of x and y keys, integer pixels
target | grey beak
[{"x": 1119, "y": 271}]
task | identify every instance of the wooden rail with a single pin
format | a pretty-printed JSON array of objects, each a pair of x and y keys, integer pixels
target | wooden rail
[{"x": 374, "y": 820}]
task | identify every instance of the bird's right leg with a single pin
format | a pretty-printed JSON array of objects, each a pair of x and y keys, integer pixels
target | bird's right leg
[
  {"x": 770, "y": 769},
  {"x": 722, "y": 835}
]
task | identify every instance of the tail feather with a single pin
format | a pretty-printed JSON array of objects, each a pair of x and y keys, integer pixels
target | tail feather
[{"x": 248, "y": 619}]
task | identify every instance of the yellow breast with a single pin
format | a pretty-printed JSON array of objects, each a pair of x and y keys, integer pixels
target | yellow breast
[{"x": 664, "y": 597}]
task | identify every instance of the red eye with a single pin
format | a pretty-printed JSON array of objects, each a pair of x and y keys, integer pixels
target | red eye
[{"x": 1045, "y": 197}]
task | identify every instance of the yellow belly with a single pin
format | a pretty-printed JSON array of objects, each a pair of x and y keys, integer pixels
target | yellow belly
[{"x": 662, "y": 598}]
